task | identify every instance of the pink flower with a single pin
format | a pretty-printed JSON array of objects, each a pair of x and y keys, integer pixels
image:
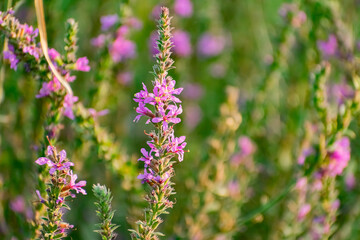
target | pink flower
[
  {"x": 304, "y": 210},
  {"x": 53, "y": 54},
  {"x": 246, "y": 146},
  {"x": 182, "y": 44},
  {"x": 122, "y": 49},
  {"x": 76, "y": 186},
  {"x": 69, "y": 101},
  {"x": 183, "y": 8},
  {"x": 18, "y": 204},
  {"x": 98, "y": 41},
  {"x": 329, "y": 47},
  {"x": 211, "y": 45},
  {"x": 82, "y": 64},
  {"x": 59, "y": 166},
  {"x": 108, "y": 21},
  {"x": 11, "y": 56},
  {"x": 146, "y": 158},
  {"x": 339, "y": 157}
]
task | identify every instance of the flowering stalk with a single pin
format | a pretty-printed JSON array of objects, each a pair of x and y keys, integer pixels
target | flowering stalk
[
  {"x": 104, "y": 212},
  {"x": 163, "y": 144},
  {"x": 62, "y": 182}
]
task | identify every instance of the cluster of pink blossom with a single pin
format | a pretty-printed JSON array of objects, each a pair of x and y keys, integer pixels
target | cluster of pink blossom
[
  {"x": 120, "y": 47},
  {"x": 63, "y": 181},
  {"x": 22, "y": 43},
  {"x": 165, "y": 116}
]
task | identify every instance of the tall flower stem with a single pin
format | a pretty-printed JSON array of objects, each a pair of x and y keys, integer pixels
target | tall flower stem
[{"x": 163, "y": 144}]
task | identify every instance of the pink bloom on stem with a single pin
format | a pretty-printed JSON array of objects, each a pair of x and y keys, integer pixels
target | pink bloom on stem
[
  {"x": 182, "y": 44},
  {"x": 183, "y": 8},
  {"x": 98, "y": 41},
  {"x": 61, "y": 165},
  {"x": 246, "y": 146},
  {"x": 177, "y": 145},
  {"x": 108, "y": 21},
  {"x": 304, "y": 154},
  {"x": 82, "y": 64},
  {"x": 329, "y": 47},
  {"x": 304, "y": 210},
  {"x": 76, "y": 186},
  {"x": 11, "y": 56},
  {"x": 53, "y": 54},
  {"x": 18, "y": 204},
  {"x": 96, "y": 114},
  {"x": 342, "y": 92},
  {"x": 122, "y": 49},
  {"x": 146, "y": 177},
  {"x": 211, "y": 45},
  {"x": 143, "y": 111},
  {"x": 339, "y": 157},
  {"x": 69, "y": 101},
  {"x": 153, "y": 43},
  {"x": 350, "y": 181},
  {"x": 146, "y": 158},
  {"x": 169, "y": 117}
]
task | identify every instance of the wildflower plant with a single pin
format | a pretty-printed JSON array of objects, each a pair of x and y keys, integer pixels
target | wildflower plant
[
  {"x": 60, "y": 187},
  {"x": 104, "y": 212},
  {"x": 164, "y": 146}
]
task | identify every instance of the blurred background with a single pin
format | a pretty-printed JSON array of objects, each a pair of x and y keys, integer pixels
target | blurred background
[{"x": 245, "y": 67}]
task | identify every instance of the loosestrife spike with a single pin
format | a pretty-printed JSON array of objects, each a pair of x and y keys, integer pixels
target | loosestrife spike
[
  {"x": 165, "y": 108},
  {"x": 59, "y": 189}
]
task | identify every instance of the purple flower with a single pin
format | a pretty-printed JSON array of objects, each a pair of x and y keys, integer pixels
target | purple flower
[
  {"x": 154, "y": 37},
  {"x": 96, "y": 114},
  {"x": 42, "y": 200},
  {"x": 143, "y": 111},
  {"x": 108, "y": 21},
  {"x": 146, "y": 158},
  {"x": 182, "y": 45},
  {"x": 49, "y": 87},
  {"x": 32, "y": 50},
  {"x": 169, "y": 117},
  {"x": 183, "y": 8},
  {"x": 350, "y": 181},
  {"x": 75, "y": 186},
  {"x": 53, "y": 54},
  {"x": 98, "y": 41},
  {"x": 329, "y": 47},
  {"x": 122, "y": 49},
  {"x": 211, "y": 45},
  {"x": 82, "y": 64},
  {"x": 339, "y": 156},
  {"x": 304, "y": 154},
  {"x": 61, "y": 165},
  {"x": 304, "y": 210},
  {"x": 342, "y": 92},
  {"x": 10, "y": 55},
  {"x": 142, "y": 95},
  {"x": 69, "y": 101},
  {"x": 146, "y": 177},
  {"x": 18, "y": 204},
  {"x": 177, "y": 145},
  {"x": 246, "y": 146}
]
